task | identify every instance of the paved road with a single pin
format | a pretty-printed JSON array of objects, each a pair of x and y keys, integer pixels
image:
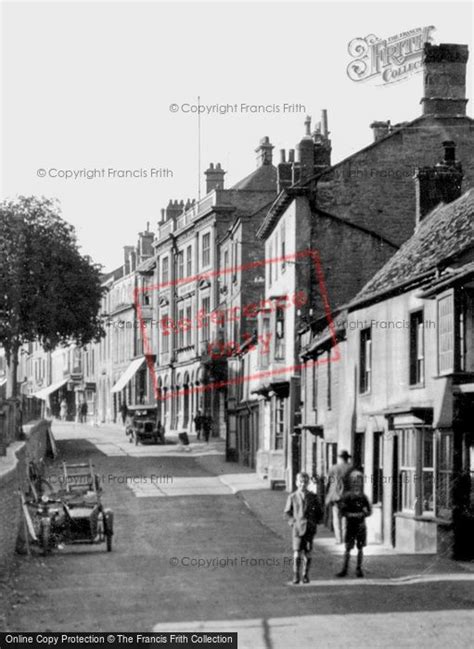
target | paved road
[{"x": 192, "y": 551}]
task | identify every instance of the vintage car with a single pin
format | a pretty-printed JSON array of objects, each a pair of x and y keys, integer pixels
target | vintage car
[
  {"x": 142, "y": 424},
  {"x": 73, "y": 514}
]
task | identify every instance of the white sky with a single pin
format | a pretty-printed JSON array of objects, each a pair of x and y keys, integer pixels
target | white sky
[{"x": 88, "y": 85}]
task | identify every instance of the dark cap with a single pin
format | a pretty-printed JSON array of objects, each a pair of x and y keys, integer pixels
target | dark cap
[{"x": 345, "y": 455}]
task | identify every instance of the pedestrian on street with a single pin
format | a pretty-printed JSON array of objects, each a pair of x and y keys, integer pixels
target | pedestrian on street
[
  {"x": 63, "y": 410},
  {"x": 336, "y": 486},
  {"x": 355, "y": 507},
  {"x": 304, "y": 512},
  {"x": 123, "y": 411},
  {"x": 206, "y": 427},
  {"x": 84, "y": 412},
  {"x": 198, "y": 424}
]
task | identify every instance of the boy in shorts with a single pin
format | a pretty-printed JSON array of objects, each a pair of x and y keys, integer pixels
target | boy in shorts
[
  {"x": 355, "y": 507},
  {"x": 304, "y": 512}
]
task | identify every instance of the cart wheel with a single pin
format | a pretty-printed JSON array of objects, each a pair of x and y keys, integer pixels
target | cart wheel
[
  {"x": 108, "y": 541},
  {"x": 44, "y": 536}
]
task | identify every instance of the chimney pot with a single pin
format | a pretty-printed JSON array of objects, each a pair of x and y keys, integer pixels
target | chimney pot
[
  {"x": 291, "y": 155},
  {"x": 282, "y": 155},
  {"x": 380, "y": 129}
]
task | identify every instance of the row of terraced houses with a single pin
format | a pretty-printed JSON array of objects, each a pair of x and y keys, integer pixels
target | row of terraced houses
[{"x": 309, "y": 308}]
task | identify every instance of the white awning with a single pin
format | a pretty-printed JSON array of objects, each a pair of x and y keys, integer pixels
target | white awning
[
  {"x": 3, "y": 381},
  {"x": 45, "y": 392},
  {"x": 128, "y": 374}
]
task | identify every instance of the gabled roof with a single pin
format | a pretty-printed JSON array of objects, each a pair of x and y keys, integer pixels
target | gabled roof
[
  {"x": 443, "y": 234},
  {"x": 263, "y": 178}
]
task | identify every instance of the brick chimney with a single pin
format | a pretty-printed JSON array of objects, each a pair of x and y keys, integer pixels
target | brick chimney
[
  {"x": 439, "y": 184},
  {"x": 444, "y": 78},
  {"x": 214, "y": 177},
  {"x": 264, "y": 152},
  {"x": 380, "y": 129}
]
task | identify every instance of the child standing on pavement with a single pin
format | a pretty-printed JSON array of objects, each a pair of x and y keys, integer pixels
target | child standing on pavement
[
  {"x": 355, "y": 507},
  {"x": 304, "y": 512}
]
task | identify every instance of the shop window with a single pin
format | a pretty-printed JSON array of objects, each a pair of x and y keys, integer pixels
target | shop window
[
  {"x": 417, "y": 355},
  {"x": 417, "y": 462},
  {"x": 428, "y": 484},
  {"x": 444, "y": 475},
  {"x": 407, "y": 450}
]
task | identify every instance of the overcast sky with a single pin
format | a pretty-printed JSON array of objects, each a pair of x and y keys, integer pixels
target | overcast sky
[{"x": 89, "y": 86}]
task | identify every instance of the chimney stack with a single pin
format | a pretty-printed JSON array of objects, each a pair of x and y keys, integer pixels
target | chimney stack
[
  {"x": 145, "y": 244},
  {"x": 439, "y": 184},
  {"x": 128, "y": 259},
  {"x": 264, "y": 152},
  {"x": 174, "y": 209},
  {"x": 381, "y": 129},
  {"x": 444, "y": 79},
  {"x": 214, "y": 177}
]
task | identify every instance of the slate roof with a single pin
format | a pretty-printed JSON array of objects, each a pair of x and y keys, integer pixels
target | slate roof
[
  {"x": 147, "y": 265},
  {"x": 263, "y": 178},
  {"x": 444, "y": 233}
]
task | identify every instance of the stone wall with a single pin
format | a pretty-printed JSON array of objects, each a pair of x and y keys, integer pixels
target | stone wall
[{"x": 13, "y": 471}]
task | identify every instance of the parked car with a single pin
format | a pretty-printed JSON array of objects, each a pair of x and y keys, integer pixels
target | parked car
[{"x": 144, "y": 425}]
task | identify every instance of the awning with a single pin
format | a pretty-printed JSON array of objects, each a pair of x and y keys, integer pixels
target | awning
[
  {"x": 3, "y": 381},
  {"x": 128, "y": 374},
  {"x": 45, "y": 392}
]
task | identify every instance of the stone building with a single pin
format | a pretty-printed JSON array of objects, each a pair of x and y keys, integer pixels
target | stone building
[
  {"x": 400, "y": 396},
  {"x": 188, "y": 280},
  {"x": 353, "y": 216}
]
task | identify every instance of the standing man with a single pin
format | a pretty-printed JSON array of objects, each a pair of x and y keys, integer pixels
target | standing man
[
  {"x": 304, "y": 512},
  {"x": 198, "y": 424},
  {"x": 336, "y": 486},
  {"x": 206, "y": 427},
  {"x": 123, "y": 411},
  {"x": 84, "y": 412}
]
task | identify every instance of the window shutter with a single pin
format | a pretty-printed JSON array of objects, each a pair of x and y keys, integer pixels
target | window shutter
[{"x": 446, "y": 334}]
